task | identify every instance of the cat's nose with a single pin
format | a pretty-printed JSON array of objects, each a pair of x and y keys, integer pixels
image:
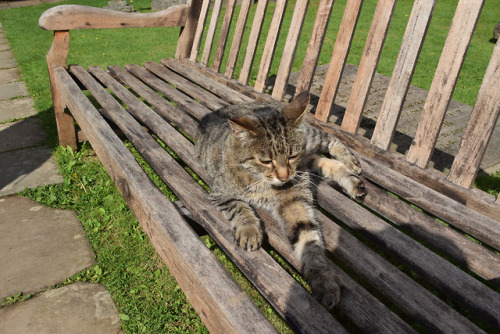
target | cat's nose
[{"x": 282, "y": 174}]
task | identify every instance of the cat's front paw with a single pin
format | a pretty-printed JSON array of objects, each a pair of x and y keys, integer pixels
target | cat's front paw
[
  {"x": 248, "y": 237},
  {"x": 325, "y": 287},
  {"x": 352, "y": 163},
  {"x": 354, "y": 187}
]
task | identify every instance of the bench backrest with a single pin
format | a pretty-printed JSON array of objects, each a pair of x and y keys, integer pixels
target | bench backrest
[{"x": 213, "y": 30}]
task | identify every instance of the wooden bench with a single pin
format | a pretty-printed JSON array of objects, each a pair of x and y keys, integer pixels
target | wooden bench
[{"x": 403, "y": 269}]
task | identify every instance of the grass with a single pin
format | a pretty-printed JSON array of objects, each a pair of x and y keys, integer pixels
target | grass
[{"x": 148, "y": 298}]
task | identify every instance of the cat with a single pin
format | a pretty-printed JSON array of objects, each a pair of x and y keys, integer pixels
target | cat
[{"x": 260, "y": 155}]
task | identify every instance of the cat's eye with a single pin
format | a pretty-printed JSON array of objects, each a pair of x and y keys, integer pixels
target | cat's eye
[
  {"x": 266, "y": 162},
  {"x": 293, "y": 157}
]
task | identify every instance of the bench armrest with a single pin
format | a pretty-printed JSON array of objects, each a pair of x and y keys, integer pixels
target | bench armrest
[{"x": 69, "y": 17}]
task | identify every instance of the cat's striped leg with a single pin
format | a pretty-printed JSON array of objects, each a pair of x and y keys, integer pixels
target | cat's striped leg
[
  {"x": 246, "y": 225},
  {"x": 340, "y": 173},
  {"x": 304, "y": 233}
]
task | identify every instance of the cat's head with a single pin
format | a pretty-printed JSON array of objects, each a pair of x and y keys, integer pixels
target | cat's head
[{"x": 269, "y": 143}]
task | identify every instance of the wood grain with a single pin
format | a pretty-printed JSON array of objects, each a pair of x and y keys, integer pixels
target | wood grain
[
  {"x": 205, "y": 57},
  {"x": 403, "y": 72},
  {"x": 270, "y": 46},
  {"x": 314, "y": 47},
  {"x": 221, "y": 45},
  {"x": 237, "y": 38},
  {"x": 213, "y": 293},
  {"x": 70, "y": 17},
  {"x": 480, "y": 126},
  {"x": 188, "y": 33},
  {"x": 338, "y": 59},
  {"x": 57, "y": 57},
  {"x": 291, "y": 44},
  {"x": 199, "y": 30},
  {"x": 253, "y": 39},
  {"x": 443, "y": 83},
  {"x": 368, "y": 65}
]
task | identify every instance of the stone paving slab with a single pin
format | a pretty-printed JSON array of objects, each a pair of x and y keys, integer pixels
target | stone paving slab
[
  {"x": 84, "y": 308},
  {"x": 16, "y": 108},
  {"x": 9, "y": 75},
  {"x": 40, "y": 246},
  {"x": 7, "y": 59},
  {"x": 12, "y": 90},
  {"x": 30, "y": 168},
  {"x": 21, "y": 134}
]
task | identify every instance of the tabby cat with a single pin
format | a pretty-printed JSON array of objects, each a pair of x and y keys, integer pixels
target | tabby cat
[{"x": 260, "y": 155}]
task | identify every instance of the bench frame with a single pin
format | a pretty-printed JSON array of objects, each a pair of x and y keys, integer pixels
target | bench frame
[{"x": 219, "y": 301}]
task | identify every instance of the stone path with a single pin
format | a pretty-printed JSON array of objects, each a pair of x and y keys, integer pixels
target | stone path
[{"x": 40, "y": 247}]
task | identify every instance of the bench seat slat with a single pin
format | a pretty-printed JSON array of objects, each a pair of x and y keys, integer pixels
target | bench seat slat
[
  {"x": 399, "y": 83},
  {"x": 444, "y": 81},
  {"x": 207, "y": 285}
]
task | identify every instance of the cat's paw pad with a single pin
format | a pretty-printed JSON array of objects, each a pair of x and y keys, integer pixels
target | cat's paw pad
[
  {"x": 354, "y": 187},
  {"x": 325, "y": 288},
  {"x": 248, "y": 237}
]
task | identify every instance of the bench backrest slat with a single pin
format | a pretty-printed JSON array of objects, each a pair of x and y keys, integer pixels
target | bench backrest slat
[
  {"x": 443, "y": 83},
  {"x": 205, "y": 57},
  {"x": 238, "y": 36},
  {"x": 199, "y": 30},
  {"x": 252, "y": 41},
  {"x": 338, "y": 59},
  {"x": 270, "y": 47},
  {"x": 221, "y": 45},
  {"x": 291, "y": 44},
  {"x": 480, "y": 126},
  {"x": 314, "y": 47},
  {"x": 368, "y": 65},
  {"x": 402, "y": 74}
]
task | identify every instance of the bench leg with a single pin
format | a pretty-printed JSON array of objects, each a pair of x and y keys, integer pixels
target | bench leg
[{"x": 56, "y": 57}]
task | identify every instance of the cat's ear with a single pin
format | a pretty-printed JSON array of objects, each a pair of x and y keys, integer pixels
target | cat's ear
[
  {"x": 244, "y": 126},
  {"x": 296, "y": 109}
]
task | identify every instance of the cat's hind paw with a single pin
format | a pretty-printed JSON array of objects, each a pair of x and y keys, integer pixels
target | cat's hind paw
[
  {"x": 249, "y": 237},
  {"x": 354, "y": 187},
  {"x": 325, "y": 288}
]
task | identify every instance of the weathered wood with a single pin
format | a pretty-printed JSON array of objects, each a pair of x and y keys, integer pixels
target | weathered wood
[
  {"x": 471, "y": 198},
  {"x": 443, "y": 83},
  {"x": 447, "y": 241},
  {"x": 338, "y": 59},
  {"x": 205, "y": 97},
  {"x": 403, "y": 72},
  {"x": 70, "y": 17},
  {"x": 271, "y": 280},
  {"x": 444, "y": 276},
  {"x": 57, "y": 57},
  {"x": 205, "y": 57},
  {"x": 221, "y": 45},
  {"x": 253, "y": 39},
  {"x": 368, "y": 64},
  {"x": 237, "y": 38},
  {"x": 199, "y": 30},
  {"x": 291, "y": 44},
  {"x": 270, "y": 46},
  {"x": 188, "y": 32},
  {"x": 219, "y": 301},
  {"x": 216, "y": 87},
  {"x": 314, "y": 47},
  {"x": 480, "y": 126}
]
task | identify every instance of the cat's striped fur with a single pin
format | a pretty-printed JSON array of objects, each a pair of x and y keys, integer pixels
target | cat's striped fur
[{"x": 260, "y": 155}]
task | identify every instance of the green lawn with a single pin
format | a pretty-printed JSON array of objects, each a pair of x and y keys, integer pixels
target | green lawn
[{"x": 147, "y": 296}]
